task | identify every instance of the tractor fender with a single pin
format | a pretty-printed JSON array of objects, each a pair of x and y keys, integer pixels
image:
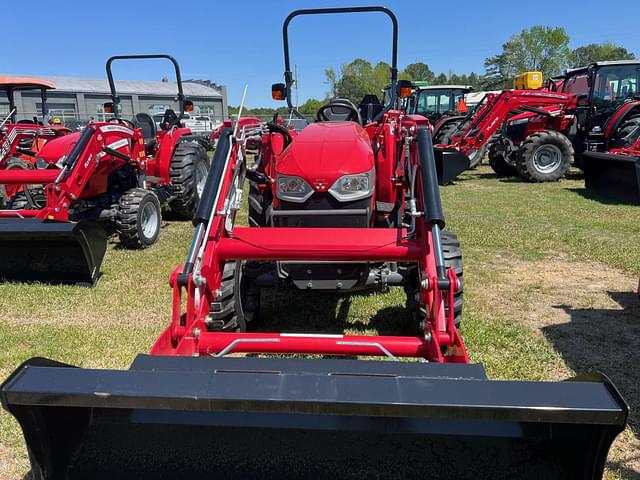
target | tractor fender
[{"x": 621, "y": 115}]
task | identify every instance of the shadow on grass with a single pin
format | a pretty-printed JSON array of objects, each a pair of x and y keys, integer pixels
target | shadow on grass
[
  {"x": 608, "y": 198},
  {"x": 606, "y": 340},
  {"x": 297, "y": 311}
]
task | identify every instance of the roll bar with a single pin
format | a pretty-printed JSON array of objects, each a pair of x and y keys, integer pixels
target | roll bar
[
  {"x": 288, "y": 76},
  {"x": 112, "y": 84}
]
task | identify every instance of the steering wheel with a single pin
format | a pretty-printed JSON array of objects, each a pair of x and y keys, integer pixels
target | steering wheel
[
  {"x": 352, "y": 114},
  {"x": 123, "y": 121}
]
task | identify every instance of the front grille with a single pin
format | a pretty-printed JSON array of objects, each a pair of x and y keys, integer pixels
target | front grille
[{"x": 326, "y": 213}]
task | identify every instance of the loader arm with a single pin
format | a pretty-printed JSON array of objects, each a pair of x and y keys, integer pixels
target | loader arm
[{"x": 499, "y": 108}]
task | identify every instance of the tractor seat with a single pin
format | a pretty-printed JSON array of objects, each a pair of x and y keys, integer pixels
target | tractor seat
[
  {"x": 370, "y": 107},
  {"x": 170, "y": 119},
  {"x": 339, "y": 109},
  {"x": 148, "y": 126}
]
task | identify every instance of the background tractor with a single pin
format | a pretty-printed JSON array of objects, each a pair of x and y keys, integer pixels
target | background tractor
[
  {"x": 110, "y": 178},
  {"x": 345, "y": 206},
  {"x": 604, "y": 115}
]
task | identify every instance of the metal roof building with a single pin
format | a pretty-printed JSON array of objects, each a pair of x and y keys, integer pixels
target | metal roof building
[{"x": 83, "y": 98}]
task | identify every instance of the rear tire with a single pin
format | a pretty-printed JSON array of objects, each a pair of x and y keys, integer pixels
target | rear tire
[
  {"x": 628, "y": 133},
  {"x": 443, "y": 135},
  {"x": 500, "y": 164},
  {"x": 188, "y": 171},
  {"x": 544, "y": 156},
  {"x": 138, "y": 218}
]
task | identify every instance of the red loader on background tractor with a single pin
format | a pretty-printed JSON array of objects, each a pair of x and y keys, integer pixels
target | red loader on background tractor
[
  {"x": 553, "y": 154},
  {"x": 112, "y": 177},
  {"x": 342, "y": 206}
]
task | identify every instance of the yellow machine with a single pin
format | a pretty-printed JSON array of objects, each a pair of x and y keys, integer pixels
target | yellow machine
[{"x": 528, "y": 81}]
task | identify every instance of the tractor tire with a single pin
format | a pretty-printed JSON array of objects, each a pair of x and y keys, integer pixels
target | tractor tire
[
  {"x": 443, "y": 136},
  {"x": 20, "y": 201},
  {"x": 500, "y": 165},
  {"x": 238, "y": 304},
  {"x": 188, "y": 171},
  {"x": 628, "y": 133},
  {"x": 7, "y": 192},
  {"x": 138, "y": 218},
  {"x": 452, "y": 259},
  {"x": 258, "y": 204},
  {"x": 544, "y": 156},
  {"x": 478, "y": 157}
]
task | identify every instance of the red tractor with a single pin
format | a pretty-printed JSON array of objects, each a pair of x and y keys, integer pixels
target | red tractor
[
  {"x": 112, "y": 177},
  {"x": 21, "y": 139},
  {"x": 342, "y": 206},
  {"x": 604, "y": 114}
]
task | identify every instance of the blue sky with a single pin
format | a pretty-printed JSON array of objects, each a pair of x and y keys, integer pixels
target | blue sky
[{"x": 238, "y": 43}]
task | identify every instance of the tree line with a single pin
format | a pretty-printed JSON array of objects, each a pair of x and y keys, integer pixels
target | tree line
[{"x": 539, "y": 48}]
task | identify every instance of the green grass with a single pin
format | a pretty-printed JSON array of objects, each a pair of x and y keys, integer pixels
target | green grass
[{"x": 498, "y": 222}]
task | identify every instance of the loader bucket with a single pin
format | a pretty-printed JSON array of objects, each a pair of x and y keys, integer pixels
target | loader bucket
[
  {"x": 449, "y": 163},
  {"x": 205, "y": 417},
  {"x": 48, "y": 251},
  {"x": 616, "y": 176}
]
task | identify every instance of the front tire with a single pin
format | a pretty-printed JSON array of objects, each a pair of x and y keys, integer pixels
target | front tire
[
  {"x": 452, "y": 259},
  {"x": 138, "y": 218},
  {"x": 188, "y": 171},
  {"x": 238, "y": 303},
  {"x": 544, "y": 156},
  {"x": 499, "y": 163}
]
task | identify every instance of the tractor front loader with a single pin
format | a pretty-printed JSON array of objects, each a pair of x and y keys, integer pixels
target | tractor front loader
[
  {"x": 112, "y": 178},
  {"x": 545, "y": 155},
  {"x": 337, "y": 207}
]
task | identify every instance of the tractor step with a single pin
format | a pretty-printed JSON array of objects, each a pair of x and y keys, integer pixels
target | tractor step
[
  {"x": 48, "y": 251},
  {"x": 170, "y": 417}
]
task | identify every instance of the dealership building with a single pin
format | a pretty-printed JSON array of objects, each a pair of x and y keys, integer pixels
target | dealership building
[{"x": 83, "y": 98}]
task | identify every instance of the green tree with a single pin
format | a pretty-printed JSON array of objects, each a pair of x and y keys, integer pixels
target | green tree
[
  {"x": 595, "y": 52},
  {"x": 356, "y": 80},
  {"x": 441, "y": 80},
  {"x": 540, "y": 48},
  {"x": 419, "y": 71},
  {"x": 311, "y": 106},
  {"x": 332, "y": 81}
]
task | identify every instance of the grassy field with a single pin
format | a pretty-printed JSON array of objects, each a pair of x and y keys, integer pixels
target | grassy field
[{"x": 549, "y": 281}]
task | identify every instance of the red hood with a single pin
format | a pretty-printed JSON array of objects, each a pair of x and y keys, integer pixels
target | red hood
[
  {"x": 54, "y": 149},
  {"x": 323, "y": 152}
]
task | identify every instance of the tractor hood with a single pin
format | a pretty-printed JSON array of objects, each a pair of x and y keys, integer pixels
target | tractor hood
[
  {"x": 323, "y": 152},
  {"x": 55, "y": 149}
]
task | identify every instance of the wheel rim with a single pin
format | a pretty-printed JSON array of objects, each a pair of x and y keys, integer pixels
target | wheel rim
[
  {"x": 547, "y": 158},
  {"x": 201, "y": 178},
  {"x": 149, "y": 220}
]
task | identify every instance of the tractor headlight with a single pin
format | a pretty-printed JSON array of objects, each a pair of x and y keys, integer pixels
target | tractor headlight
[
  {"x": 352, "y": 187},
  {"x": 293, "y": 189}
]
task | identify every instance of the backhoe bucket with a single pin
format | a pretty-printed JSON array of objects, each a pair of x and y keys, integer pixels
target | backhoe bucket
[
  {"x": 48, "y": 251},
  {"x": 616, "y": 176},
  {"x": 449, "y": 163},
  {"x": 205, "y": 417}
]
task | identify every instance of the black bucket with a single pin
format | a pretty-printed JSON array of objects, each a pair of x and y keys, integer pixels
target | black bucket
[
  {"x": 614, "y": 176},
  {"x": 202, "y": 418},
  {"x": 34, "y": 250},
  {"x": 450, "y": 163}
]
